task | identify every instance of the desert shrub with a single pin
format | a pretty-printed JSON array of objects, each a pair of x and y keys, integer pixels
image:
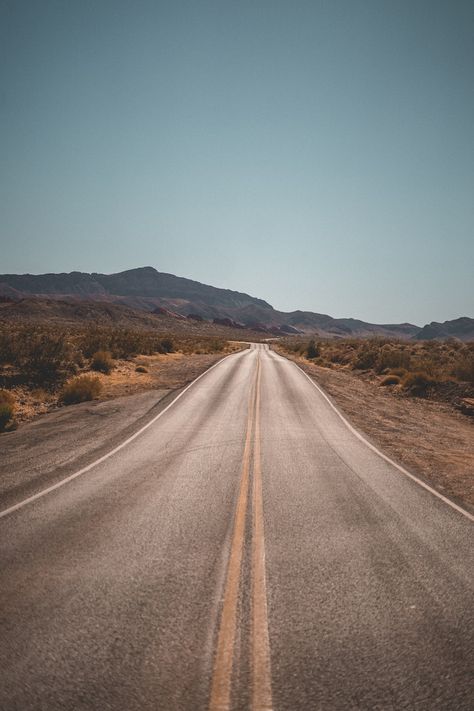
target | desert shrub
[
  {"x": 44, "y": 355},
  {"x": 204, "y": 345},
  {"x": 366, "y": 358},
  {"x": 102, "y": 362},
  {"x": 7, "y": 409},
  {"x": 41, "y": 394},
  {"x": 393, "y": 358},
  {"x": 79, "y": 360},
  {"x": 141, "y": 369},
  {"x": 127, "y": 344},
  {"x": 294, "y": 345},
  {"x": 81, "y": 389},
  {"x": 216, "y": 345},
  {"x": 464, "y": 367},
  {"x": 418, "y": 383},
  {"x": 424, "y": 363},
  {"x": 7, "y": 339},
  {"x": 390, "y": 380},
  {"x": 338, "y": 356},
  {"x": 401, "y": 372},
  {"x": 120, "y": 342},
  {"x": 312, "y": 351},
  {"x": 167, "y": 345},
  {"x": 94, "y": 340}
]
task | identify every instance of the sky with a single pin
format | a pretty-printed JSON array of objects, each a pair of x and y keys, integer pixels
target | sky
[{"x": 318, "y": 154}]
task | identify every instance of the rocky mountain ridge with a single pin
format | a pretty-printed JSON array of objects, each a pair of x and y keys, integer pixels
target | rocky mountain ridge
[{"x": 149, "y": 290}]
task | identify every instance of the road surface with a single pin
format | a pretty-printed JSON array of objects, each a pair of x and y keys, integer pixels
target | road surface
[{"x": 247, "y": 550}]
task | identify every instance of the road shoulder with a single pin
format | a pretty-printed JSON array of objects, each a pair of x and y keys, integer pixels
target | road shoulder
[
  {"x": 430, "y": 439},
  {"x": 57, "y": 444}
]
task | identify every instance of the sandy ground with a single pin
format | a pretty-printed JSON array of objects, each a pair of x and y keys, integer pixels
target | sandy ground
[
  {"x": 163, "y": 372},
  {"x": 432, "y": 439}
]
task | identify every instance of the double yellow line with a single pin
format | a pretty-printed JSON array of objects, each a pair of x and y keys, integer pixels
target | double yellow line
[{"x": 260, "y": 648}]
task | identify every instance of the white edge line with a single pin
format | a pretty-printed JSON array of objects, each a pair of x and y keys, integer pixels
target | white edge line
[
  {"x": 69, "y": 478},
  {"x": 381, "y": 454}
]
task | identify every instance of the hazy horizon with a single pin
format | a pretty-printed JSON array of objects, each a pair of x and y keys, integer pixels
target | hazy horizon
[
  {"x": 258, "y": 296},
  {"x": 317, "y": 155}
]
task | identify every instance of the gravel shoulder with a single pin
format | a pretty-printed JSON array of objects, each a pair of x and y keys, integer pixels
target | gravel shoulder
[
  {"x": 431, "y": 439},
  {"x": 58, "y": 443},
  {"x": 136, "y": 375}
]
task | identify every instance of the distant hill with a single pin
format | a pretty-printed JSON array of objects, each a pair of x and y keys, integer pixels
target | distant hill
[
  {"x": 462, "y": 328},
  {"x": 146, "y": 289},
  {"x": 67, "y": 313}
]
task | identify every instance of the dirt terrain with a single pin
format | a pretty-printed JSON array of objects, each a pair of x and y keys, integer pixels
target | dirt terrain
[
  {"x": 64, "y": 439},
  {"x": 432, "y": 439},
  {"x": 162, "y": 372}
]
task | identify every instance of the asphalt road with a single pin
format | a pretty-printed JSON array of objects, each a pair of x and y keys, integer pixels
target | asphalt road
[{"x": 245, "y": 551}]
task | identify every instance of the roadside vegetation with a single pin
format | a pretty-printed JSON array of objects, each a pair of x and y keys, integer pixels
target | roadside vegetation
[
  {"x": 7, "y": 410},
  {"x": 414, "y": 399},
  {"x": 64, "y": 366},
  {"x": 439, "y": 370},
  {"x": 80, "y": 389}
]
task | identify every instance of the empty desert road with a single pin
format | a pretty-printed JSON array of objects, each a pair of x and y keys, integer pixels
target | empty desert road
[{"x": 245, "y": 551}]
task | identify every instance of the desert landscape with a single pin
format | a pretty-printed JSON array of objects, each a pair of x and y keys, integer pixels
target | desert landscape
[
  {"x": 99, "y": 321},
  {"x": 419, "y": 386},
  {"x": 237, "y": 356}
]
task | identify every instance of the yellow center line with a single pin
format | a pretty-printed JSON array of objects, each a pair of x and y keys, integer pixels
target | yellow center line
[
  {"x": 260, "y": 648},
  {"x": 261, "y": 670},
  {"x": 222, "y": 673}
]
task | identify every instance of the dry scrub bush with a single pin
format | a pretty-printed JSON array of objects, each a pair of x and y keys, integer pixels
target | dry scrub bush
[
  {"x": 43, "y": 355},
  {"x": 7, "y": 409},
  {"x": 390, "y": 380},
  {"x": 366, "y": 359},
  {"x": 312, "y": 351},
  {"x": 418, "y": 383},
  {"x": 401, "y": 372},
  {"x": 421, "y": 366},
  {"x": 102, "y": 362},
  {"x": 123, "y": 343},
  {"x": 7, "y": 339},
  {"x": 389, "y": 357},
  {"x": 338, "y": 356},
  {"x": 464, "y": 367},
  {"x": 201, "y": 345},
  {"x": 81, "y": 389},
  {"x": 167, "y": 345},
  {"x": 93, "y": 340},
  {"x": 295, "y": 346}
]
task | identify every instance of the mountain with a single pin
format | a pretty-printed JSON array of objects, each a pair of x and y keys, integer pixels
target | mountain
[
  {"x": 146, "y": 289},
  {"x": 70, "y": 313},
  {"x": 462, "y": 328}
]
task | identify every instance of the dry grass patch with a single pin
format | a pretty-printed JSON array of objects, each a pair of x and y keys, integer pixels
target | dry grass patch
[
  {"x": 390, "y": 380},
  {"x": 37, "y": 362},
  {"x": 429, "y": 436},
  {"x": 81, "y": 389},
  {"x": 102, "y": 362},
  {"x": 7, "y": 410},
  {"x": 441, "y": 371}
]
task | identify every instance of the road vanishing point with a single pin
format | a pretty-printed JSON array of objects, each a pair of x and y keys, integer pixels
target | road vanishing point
[{"x": 246, "y": 549}]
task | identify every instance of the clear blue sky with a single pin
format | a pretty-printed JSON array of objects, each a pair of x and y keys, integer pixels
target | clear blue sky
[{"x": 318, "y": 154}]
